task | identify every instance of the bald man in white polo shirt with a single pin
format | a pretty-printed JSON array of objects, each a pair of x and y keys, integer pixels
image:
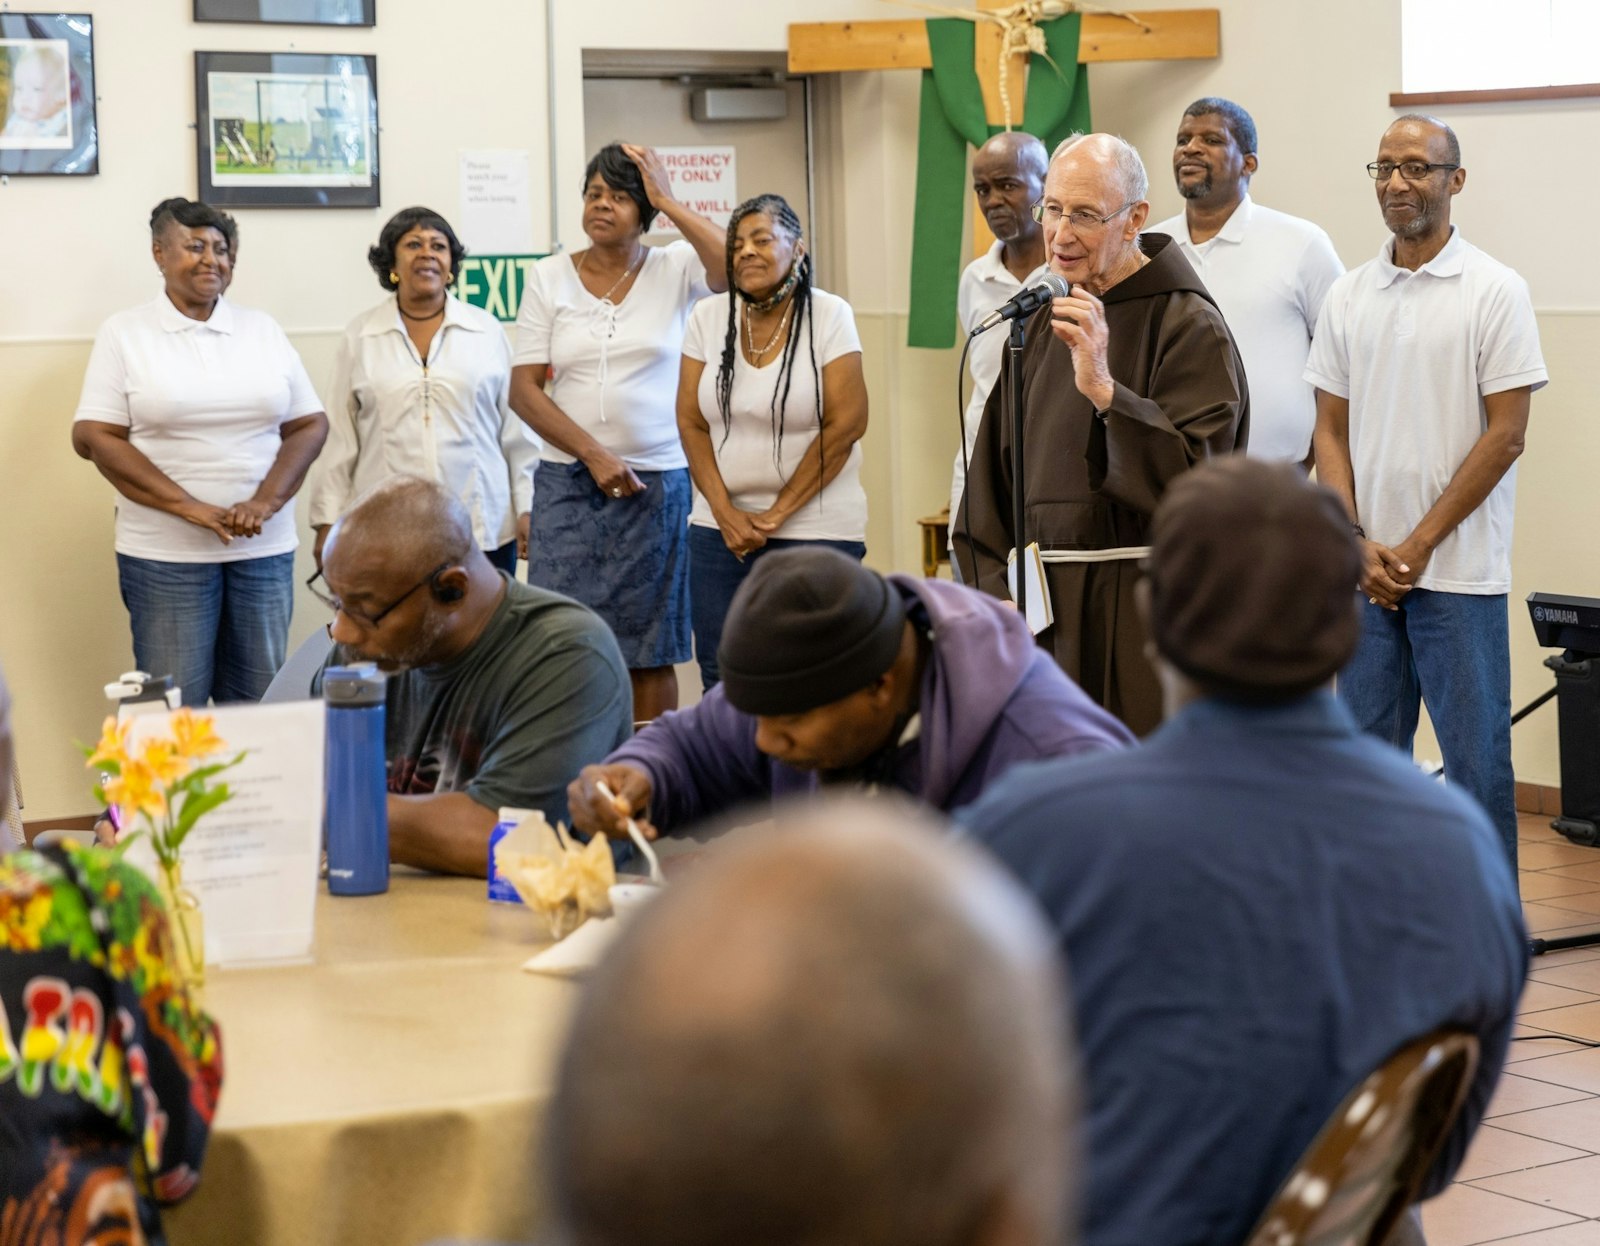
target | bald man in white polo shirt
[
  {"x": 1268, "y": 271},
  {"x": 1007, "y": 179},
  {"x": 1425, "y": 361}
]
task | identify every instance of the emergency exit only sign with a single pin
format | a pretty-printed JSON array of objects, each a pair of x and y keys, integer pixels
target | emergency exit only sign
[{"x": 703, "y": 178}]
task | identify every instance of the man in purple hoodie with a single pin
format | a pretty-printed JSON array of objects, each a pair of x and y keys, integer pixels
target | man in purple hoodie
[{"x": 835, "y": 675}]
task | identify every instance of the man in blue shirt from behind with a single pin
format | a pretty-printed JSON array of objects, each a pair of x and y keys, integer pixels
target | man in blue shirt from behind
[{"x": 1261, "y": 903}]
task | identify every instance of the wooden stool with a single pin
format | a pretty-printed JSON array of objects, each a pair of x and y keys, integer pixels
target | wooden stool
[{"x": 935, "y": 541}]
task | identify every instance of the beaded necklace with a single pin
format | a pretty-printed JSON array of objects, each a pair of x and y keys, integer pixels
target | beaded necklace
[{"x": 757, "y": 355}]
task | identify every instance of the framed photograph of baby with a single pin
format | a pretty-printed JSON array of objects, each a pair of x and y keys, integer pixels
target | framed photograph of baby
[
  {"x": 47, "y": 104},
  {"x": 287, "y": 129}
]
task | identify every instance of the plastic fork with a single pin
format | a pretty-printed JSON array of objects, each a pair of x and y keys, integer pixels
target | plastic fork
[{"x": 635, "y": 834}]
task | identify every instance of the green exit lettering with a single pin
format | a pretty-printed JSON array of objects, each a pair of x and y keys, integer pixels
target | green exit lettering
[{"x": 495, "y": 282}]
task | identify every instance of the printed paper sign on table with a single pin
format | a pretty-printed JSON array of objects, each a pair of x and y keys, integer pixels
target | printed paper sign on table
[
  {"x": 253, "y": 862},
  {"x": 703, "y": 178}
]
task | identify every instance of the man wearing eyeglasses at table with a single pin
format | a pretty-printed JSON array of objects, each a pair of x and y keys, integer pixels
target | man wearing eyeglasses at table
[
  {"x": 1127, "y": 384},
  {"x": 1425, "y": 361},
  {"x": 499, "y": 692}
]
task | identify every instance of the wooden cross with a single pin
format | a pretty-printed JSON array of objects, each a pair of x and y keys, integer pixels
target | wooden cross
[{"x": 836, "y": 47}]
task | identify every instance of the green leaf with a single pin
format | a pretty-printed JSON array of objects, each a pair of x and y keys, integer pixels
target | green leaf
[
  {"x": 196, "y": 807},
  {"x": 203, "y": 773}
]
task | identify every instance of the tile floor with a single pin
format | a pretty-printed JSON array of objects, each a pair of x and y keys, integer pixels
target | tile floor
[{"x": 1532, "y": 1177}]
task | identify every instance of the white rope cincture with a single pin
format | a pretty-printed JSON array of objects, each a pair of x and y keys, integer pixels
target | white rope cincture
[
  {"x": 1019, "y": 31},
  {"x": 1120, "y": 553}
]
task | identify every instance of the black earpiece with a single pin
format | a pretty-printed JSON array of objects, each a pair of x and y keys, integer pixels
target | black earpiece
[{"x": 444, "y": 594}]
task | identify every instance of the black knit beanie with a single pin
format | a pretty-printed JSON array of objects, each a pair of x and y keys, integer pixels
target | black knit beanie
[{"x": 809, "y": 626}]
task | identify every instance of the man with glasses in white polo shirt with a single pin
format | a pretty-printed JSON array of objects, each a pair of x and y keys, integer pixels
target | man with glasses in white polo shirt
[
  {"x": 1268, "y": 271},
  {"x": 1425, "y": 361}
]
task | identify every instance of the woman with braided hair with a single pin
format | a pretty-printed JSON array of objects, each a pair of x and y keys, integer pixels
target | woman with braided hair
[{"x": 771, "y": 432}]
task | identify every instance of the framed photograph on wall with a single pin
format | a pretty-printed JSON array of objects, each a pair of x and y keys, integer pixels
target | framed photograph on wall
[
  {"x": 289, "y": 12},
  {"x": 47, "y": 113},
  {"x": 287, "y": 129}
]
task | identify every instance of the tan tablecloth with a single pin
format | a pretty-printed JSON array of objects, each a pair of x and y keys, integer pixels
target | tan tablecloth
[{"x": 392, "y": 1091}]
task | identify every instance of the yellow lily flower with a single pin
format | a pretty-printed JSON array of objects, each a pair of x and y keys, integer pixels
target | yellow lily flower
[
  {"x": 166, "y": 764},
  {"x": 195, "y": 735},
  {"x": 134, "y": 790},
  {"x": 113, "y": 745}
]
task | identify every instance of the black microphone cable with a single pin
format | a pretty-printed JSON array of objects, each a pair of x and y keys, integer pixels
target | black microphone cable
[{"x": 966, "y": 467}]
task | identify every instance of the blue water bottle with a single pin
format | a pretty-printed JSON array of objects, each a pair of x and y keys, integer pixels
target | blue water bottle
[{"x": 357, "y": 814}]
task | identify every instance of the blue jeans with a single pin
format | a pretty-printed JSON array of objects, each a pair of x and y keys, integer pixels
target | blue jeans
[
  {"x": 504, "y": 558},
  {"x": 1451, "y": 651},
  {"x": 714, "y": 577},
  {"x": 220, "y": 629}
]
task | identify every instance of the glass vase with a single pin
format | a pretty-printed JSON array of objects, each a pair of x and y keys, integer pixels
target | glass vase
[{"x": 188, "y": 927}]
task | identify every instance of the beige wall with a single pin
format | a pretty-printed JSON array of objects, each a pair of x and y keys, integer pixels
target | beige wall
[{"x": 1316, "y": 77}]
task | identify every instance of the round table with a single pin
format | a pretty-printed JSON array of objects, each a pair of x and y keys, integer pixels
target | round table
[{"x": 392, "y": 1091}]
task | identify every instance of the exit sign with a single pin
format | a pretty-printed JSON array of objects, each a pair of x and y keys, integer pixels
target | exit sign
[{"x": 495, "y": 283}]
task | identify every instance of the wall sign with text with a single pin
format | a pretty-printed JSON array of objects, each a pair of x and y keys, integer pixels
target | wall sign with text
[{"x": 703, "y": 178}]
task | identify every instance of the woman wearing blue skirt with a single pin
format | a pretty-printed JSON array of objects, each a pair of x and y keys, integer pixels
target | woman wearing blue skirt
[{"x": 604, "y": 328}]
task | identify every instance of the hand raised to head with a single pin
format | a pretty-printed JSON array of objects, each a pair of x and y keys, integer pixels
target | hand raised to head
[{"x": 657, "y": 185}]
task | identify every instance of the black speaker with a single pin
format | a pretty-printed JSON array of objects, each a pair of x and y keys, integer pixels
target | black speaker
[{"x": 1578, "y": 706}]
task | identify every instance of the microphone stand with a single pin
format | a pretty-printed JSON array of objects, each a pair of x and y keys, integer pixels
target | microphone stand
[{"x": 1019, "y": 510}]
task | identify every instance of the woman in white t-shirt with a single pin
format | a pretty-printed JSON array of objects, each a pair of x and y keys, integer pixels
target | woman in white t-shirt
[
  {"x": 201, "y": 415},
  {"x": 421, "y": 387},
  {"x": 611, "y": 493},
  {"x": 772, "y": 433}
]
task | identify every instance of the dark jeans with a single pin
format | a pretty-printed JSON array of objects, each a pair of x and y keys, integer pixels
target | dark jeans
[
  {"x": 504, "y": 558},
  {"x": 220, "y": 629},
  {"x": 714, "y": 577},
  {"x": 1452, "y": 651}
]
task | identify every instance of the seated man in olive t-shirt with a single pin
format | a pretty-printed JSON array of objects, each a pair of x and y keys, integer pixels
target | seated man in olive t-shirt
[{"x": 498, "y": 693}]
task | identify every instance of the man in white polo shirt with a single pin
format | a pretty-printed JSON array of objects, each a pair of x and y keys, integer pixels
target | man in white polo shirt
[
  {"x": 1007, "y": 178},
  {"x": 1268, "y": 271},
  {"x": 1425, "y": 360}
]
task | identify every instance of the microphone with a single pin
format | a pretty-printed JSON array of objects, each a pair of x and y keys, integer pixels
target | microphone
[{"x": 1026, "y": 302}]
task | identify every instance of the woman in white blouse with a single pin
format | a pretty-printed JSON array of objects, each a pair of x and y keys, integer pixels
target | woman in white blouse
[
  {"x": 611, "y": 492},
  {"x": 201, "y": 415},
  {"x": 772, "y": 405},
  {"x": 421, "y": 388}
]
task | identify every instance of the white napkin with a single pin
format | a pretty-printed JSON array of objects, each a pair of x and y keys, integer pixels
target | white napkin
[{"x": 579, "y": 952}]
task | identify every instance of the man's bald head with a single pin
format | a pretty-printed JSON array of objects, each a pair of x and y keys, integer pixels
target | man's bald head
[
  {"x": 404, "y": 556},
  {"x": 1017, "y": 149},
  {"x": 847, "y": 1030},
  {"x": 406, "y": 517},
  {"x": 1116, "y": 159},
  {"x": 1007, "y": 179},
  {"x": 1094, "y": 207}
]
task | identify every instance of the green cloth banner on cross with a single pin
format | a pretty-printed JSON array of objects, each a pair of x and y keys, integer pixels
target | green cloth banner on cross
[{"x": 952, "y": 119}]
